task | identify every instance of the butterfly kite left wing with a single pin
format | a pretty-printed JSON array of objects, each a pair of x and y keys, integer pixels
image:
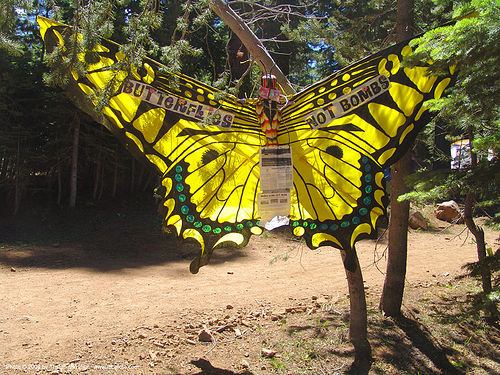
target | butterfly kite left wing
[{"x": 205, "y": 144}]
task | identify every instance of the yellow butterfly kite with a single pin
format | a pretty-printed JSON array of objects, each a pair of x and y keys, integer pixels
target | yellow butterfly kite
[{"x": 314, "y": 160}]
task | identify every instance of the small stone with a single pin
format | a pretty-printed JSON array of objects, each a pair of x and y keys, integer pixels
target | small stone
[
  {"x": 191, "y": 342},
  {"x": 205, "y": 336},
  {"x": 245, "y": 364},
  {"x": 237, "y": 332},
  {"x": 314, "y": 298},
  {"x": 229, "y": 307},
  {"x": 268, "y": 353},
  {"x": 113, "y": 342},
  {"x": 230, "y": 272},
  {"x": 142, "y": 336}
]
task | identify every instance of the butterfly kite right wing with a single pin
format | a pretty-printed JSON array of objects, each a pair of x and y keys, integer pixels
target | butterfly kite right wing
[{"x": 344, "y": 131}]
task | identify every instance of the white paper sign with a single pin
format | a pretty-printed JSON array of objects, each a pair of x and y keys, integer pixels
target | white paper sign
[
  {"x": 276, "y": 169},
  {"x": 276, "y": 182}
]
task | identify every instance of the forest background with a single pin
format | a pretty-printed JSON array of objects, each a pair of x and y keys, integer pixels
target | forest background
[{"x": 53, "y": 156}]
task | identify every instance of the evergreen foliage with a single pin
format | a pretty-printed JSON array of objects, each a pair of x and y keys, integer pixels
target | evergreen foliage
[{"x": 470, "y": 108}]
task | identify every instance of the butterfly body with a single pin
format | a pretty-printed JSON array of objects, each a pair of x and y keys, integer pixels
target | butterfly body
[{"x": 268, "y": 109}]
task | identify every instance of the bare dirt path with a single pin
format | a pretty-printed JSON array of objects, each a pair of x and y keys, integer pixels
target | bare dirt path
[{"x": 62, "y": 306}]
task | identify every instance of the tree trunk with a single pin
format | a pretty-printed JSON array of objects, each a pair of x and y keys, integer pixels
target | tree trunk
[
  {"x": 59, "y": 183},
  {"x": 101, "y": 188},
  {"x": 74, "y": 161},
  {"x": 115, "y": 177},
  {"x": 251, "y": 42},
  {"x": 478, "y": 233},
  {"x": 17, "y": 178},
  {"x": 132, "y": 176},
  {"x": 357, "y": 317},
  {"x": 392, "y": 294}
]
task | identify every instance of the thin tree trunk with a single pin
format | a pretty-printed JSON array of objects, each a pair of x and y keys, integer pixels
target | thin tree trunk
[
  {"x": 59, "y": 183},
  {"x": 132, "y": 176},
  {"x": 74, "y": 161},
  {"x": 17, "y": 178},
  {"x": 251, "y": 42},
  {"x": 357, "y": 317},
  {"x": 392, "y": 293},
  {"x": 101, "y": 190},
  {"x": 115, "y": 177},
  {"x": 478, "y": 233}
]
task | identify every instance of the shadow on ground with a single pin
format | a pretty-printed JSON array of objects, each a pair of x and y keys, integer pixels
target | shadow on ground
[
  {"x": 105, "y": 238},
  {"x": 207, "y": 369}
]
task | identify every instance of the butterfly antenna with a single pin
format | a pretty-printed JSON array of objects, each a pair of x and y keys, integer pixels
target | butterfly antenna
[{"x": 263, "y": 66}]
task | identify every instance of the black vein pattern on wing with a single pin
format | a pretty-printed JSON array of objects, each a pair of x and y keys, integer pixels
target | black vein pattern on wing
[{"x": 308, "y": 193}]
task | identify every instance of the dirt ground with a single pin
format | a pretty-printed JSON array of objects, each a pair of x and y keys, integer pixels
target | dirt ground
[{"x": 123, "y": 301}]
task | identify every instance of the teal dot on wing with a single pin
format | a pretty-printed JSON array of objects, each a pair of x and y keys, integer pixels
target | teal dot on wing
[
  {"x": 228, "y": 228},
  {"x": 249, "y": 224},
  {"x": 368, "y": 168},
  {"x": 368, "y": 189},
  {"x": 206, "y": 228},
  {"x": 345, "y": 224},
  {"x": 217, "y": 230},
  {"x": 182, "y": 198},
  {"x": 184, "y": 209},
  {"x": 190, "y": 218},
  {"x": 197, "y": 224},
  {"x": 355, "y": 220},
  {"x": 368, "y": 178},
  {"x": 363, "y": 211},
  {"x": 313, "y": 226},
  {"x": 323, "y": 226},
  {"x": 179, "y": 187},
  {"x": 367, "y": 201},
  {"x": 295, "y": 224},
  {"x": 334, "y": 227},
  {"x": 239, "y": 226},
  {"x": 178, "y": 169},
  {"x": 178, "y": 177}
]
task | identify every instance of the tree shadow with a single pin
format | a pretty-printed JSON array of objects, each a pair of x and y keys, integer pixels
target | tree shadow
[
  {"x": 107, "y": 238},
  {"x": 422, "y": 339},
  {"x": 471, "y": 328},
  {"x": 207, "y": 369}
]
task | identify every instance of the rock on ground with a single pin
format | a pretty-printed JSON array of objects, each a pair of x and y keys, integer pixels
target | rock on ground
[{"x": 449, "y": 211}]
